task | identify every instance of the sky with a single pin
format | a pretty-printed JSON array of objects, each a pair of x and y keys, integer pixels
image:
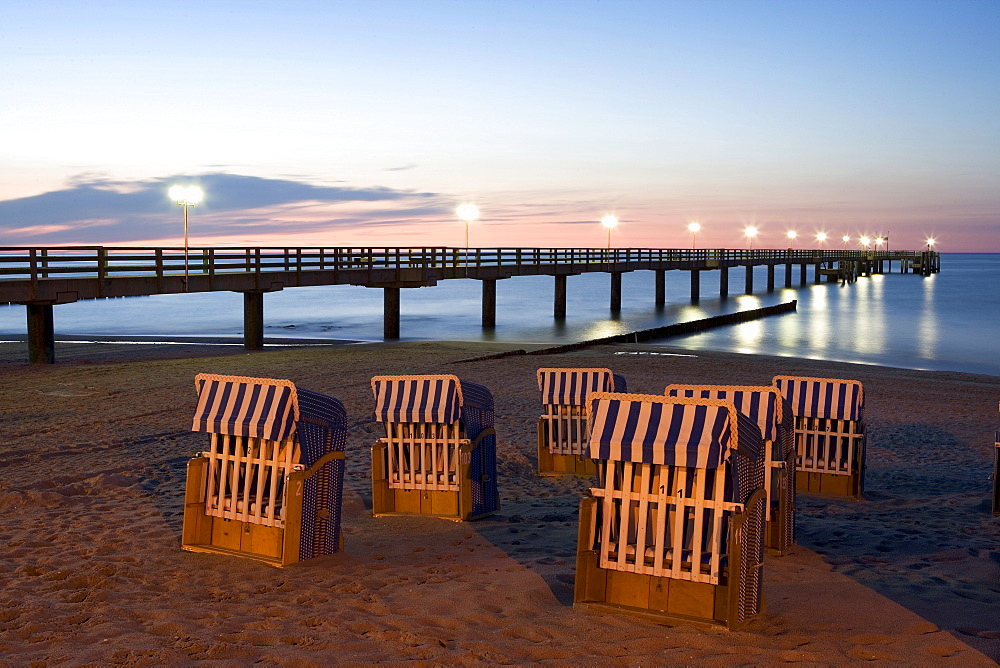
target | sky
[{"x": 366, "y": 123}]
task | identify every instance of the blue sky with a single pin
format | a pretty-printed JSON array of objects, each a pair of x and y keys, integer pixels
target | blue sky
[{"x": 366, "y": 123}]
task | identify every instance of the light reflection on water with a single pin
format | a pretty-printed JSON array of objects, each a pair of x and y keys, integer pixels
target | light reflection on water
[
  {"x": 946, "y": 321},
  {"x": 748, "y": 334},
  {"x": 927, "y": 339},
  {"x": 819, "y": 326}
]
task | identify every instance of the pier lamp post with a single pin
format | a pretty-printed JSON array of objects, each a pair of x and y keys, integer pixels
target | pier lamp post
[
  {"x": 693, "y": 228},
  {"x": 750, "y": 233},
  {"x": 468, "y": 213},
  {"x": 186, "y": 196},
  {"x": 821, "y": 237},
  {"x": 791, "y": 238},
  {"x": 865, "y": 241},
  {"x": 878, "y": 243},
  {"x": 611, "y": 223},
  {"x": 930, "y": 243},
  {"x": 846, "y": 239}
]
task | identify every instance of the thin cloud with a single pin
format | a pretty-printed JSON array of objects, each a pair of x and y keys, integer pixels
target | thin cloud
[{"x": 95, "y": 209}]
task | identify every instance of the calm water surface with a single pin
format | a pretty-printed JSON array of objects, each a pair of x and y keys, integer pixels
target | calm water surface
[{"x": 950, "y": 321}]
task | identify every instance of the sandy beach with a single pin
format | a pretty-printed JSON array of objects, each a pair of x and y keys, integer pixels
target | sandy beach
[{"x": 92, "y": 472}]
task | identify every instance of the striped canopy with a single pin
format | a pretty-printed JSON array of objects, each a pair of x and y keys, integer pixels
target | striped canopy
[
  {"x": 238, "y": 406},
  {"x": 822, "y": 397},
  {"x": 759, "y": 403},
  {"x": 654, "y": 429},
  {"x": 417, "y": 398},
  {"x": 571, "y": 386}
]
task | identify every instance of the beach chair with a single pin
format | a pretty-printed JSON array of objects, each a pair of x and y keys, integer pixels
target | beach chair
[
  {"x": 270, "y": 486},
  {"x": 765, "y": 406},
  {"x": 996, "y": 475},
  {"x": 563, "y": 431},
  {"x": 439, "y": 453},
  {"x": 675, "y": 528},
  {"x": 830, "y": 439}
]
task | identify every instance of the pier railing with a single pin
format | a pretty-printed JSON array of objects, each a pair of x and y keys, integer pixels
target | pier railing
[{"x": 101, "y": 262}]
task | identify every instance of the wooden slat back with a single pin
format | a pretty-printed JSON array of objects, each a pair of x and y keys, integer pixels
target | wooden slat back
[
  {"x": 246, "y": 477},
  {"x": 661, "y": 520},
  {"x": 568, "y": 429},
  {"x": 424, "y": 456},
  {"x": 826, "y": 445}
]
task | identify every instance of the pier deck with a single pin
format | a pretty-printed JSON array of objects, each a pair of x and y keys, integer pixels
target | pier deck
[{"x": 40, "y": 278}]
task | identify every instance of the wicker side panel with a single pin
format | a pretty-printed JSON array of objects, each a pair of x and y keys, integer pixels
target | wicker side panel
[
  {"x": 751, "y": 559},
  {"x": 478, "y": 416},
  {"x": 786, "y": 506},
  {"x": 322, "y": 429}
]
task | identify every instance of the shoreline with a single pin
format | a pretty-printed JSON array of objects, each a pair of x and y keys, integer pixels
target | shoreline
[
  {"x": 11, "y": 344},
  {"x": 92, "y": 491}
]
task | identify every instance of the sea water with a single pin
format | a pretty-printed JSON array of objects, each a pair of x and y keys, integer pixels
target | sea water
[{"x": 947, "y": 321}]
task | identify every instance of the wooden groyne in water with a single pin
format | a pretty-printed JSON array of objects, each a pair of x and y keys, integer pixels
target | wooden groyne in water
[
  {"x": 41, "y": 278},
  {"x": 666, "y": 331}
]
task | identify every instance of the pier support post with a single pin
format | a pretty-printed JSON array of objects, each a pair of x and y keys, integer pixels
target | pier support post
[
  {"x": 749, "y": 281},
  {"x": 616, "y": 291},
  {"x": 770, "y": 278},
  {"x": 559, "y": 306},
  {"x": 817, "y": 276},
  {"x": 41, "y": 334},
  {"x": 802, "y": 274},
  {"x": 695, "y": 285},
  {"x": 390, "y": 305},
  {"x": 489, "y": 303},
  {"x": 724, "y": 282},
  {"x": 253, "y": 320},
  {"x": 788, "y": 275},
  {"x": 661, "y": 287}
]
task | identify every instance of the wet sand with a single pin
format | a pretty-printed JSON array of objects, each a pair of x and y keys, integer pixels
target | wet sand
[{"x": 92, "y": 471}]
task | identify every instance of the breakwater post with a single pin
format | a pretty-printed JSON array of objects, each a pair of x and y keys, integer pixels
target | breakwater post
[{"x": 666, "y": 331}]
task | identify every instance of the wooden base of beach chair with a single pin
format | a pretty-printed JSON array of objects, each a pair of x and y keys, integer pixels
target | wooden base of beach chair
[
  {"x": 277, "y": 546},
  {"x": 662, "y": 599},
  {"x": 657, "y": 598},
  {"x": 386, "y": 500},
  {"x": 829, "y": 484},
  {"x": 550, "y": 463}
]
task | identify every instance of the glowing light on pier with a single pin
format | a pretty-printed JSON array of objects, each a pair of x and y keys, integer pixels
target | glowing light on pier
[
  {"x": 878, "y": 242},
  {"x": 791, "y": 238},
  {"x": 186, "y": 196},
  {"x": 750, "y": 233},
  {"x": 821, "y": 237},
  {"x": 846, "y": 239},
  {"x": 693, "y": 228},
  {"x": 930, "y": 242},
  {"x": 467, "y": 213},
  {"x": 865, "y": 241},
  {"x": 611, "y": 223}
]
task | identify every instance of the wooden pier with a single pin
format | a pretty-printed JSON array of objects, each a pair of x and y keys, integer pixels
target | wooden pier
[{"x": 41, "y": 278}]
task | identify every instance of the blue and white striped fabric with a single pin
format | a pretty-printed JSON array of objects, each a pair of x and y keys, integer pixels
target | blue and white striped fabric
[
  {"x": 238, "y": 406},
  {"x": 425, "y": 399},
  {"x": 572, "y": 386},
  {"x": 830, "y": 398},
  {"x": 654, "y": 429},
  {"x": 760, "y": 404}
]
